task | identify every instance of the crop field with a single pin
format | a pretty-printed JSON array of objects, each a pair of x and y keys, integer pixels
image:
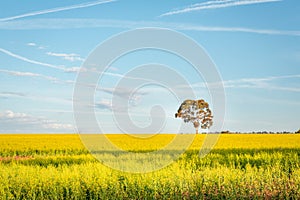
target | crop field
[{"x": 240, "y": 166}]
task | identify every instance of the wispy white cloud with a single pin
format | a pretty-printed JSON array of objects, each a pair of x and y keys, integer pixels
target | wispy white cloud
[
  {"x": 59, "y": 9},
  {"x": 34, "y": 97},
  {"x": 41, "y": 47},
  {"x": 12, "y": 94},
  {"x": 31, "y": 44},
  {"x": 112, "y": 74},
  {"x": 113, "y": 69},
  {"x": 30, "y": 60},
  {"x": 59, "y": 111},
  {"x": 66, "y": 56},
  {"x": 131, "y": 96},
  {"x": 22, "y": 122},
  {"x": 28, "y": 74},
  {"x": 73, "y": 69},
  {"x": 99, "y": 23},
  {"x": 59, "y": 67},
  {"x": 215, "y": 5},
  {"x": 121, "y": 92},
  {"x": 238, "y": 29},
  {"x": 263, "y": 83},
  {"x": 104, "y": 104},
  {"x": 270, "y": 83},
  {"x": 17, "y": 73},
  {"x": 126, "y": 77}
]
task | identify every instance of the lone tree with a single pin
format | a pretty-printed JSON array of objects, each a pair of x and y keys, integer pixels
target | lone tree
[{"x": 196, "y": 112}]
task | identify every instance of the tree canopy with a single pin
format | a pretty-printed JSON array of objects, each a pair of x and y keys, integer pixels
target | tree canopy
[{"x": 196, "y": 112}]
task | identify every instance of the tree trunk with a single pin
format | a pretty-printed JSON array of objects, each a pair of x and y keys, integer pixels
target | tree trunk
[{"x": 196, "y": 125}]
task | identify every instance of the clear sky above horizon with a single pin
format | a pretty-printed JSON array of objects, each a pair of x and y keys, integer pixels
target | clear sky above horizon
[{"x": 255, "y": 45}]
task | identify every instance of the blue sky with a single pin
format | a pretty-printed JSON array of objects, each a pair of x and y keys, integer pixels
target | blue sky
[{"x": 254, "y": 44}]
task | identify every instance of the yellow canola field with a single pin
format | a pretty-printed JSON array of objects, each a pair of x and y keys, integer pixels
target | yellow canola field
[
  {"x": 241, "y": 166},
  {"x": 136, "y": 142}
]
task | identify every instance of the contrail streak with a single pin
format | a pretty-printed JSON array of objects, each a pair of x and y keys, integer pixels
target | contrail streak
[
  {"x": 215, "y": 5},
  {"x": 59, "y": 9},
  {"x": 31, "y": 61}
]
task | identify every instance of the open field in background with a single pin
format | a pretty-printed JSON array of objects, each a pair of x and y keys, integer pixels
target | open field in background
[{"x": 240, "y": 166}]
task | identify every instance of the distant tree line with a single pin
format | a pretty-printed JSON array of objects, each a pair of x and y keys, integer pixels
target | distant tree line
[
  {"x": 258, "y": 132},
  {"x": 253, "y": 132}
]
